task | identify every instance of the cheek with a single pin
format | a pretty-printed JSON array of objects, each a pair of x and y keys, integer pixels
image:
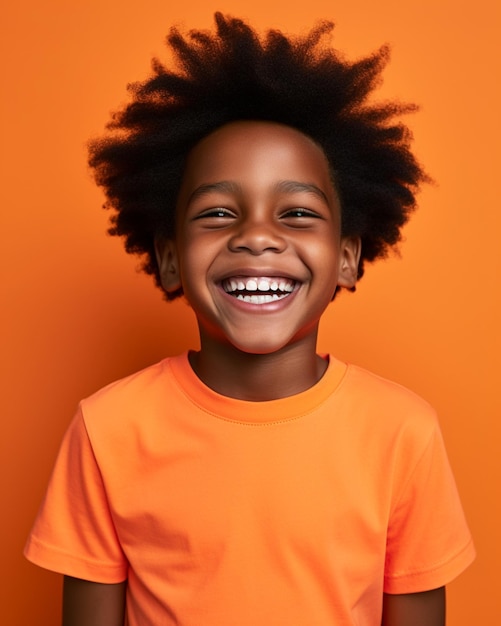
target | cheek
[
  {"x": 195, "y": 262},
  {"x": 321, "y": 253},
  {"x": 325, "y": 272}
]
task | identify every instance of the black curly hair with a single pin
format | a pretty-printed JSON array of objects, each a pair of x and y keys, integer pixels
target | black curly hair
[{"x": 233, "y": 74}]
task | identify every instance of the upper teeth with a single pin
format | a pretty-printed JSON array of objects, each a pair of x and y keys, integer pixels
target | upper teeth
[{"x": 258, "y": 284}]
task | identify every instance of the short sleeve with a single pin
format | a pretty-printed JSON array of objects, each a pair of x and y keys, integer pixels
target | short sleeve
[
  {"x": 428, "y": 542},
  {"x": 74, "y": 533}
]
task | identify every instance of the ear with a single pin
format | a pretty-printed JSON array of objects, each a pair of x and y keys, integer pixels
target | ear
[
  {"x": 350, "y": 250},
  {"x": 168, "y": 264}
]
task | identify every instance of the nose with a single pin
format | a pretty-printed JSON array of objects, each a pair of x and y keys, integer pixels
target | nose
[{"x": 257, "y": 237}]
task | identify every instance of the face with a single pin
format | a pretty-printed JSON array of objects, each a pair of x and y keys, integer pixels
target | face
[{"x": 258, "y": 250}]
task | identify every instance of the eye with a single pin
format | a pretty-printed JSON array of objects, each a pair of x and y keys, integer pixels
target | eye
[
  {"x": 300, "y": 217},
  {"x": 215, "y": 217},
  {"x": 300, "y": 212},
  {"x": 216, "y": 212}
]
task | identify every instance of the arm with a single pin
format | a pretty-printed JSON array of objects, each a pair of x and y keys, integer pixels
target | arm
[
  {"x": 93, "y": 604},
  {"x": 414, "y": 609}
]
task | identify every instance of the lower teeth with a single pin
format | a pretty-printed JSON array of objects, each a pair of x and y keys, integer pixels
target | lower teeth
[{"x": 261, "y": 299}]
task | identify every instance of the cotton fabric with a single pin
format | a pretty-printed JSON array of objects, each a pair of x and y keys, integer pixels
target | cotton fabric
[{"x": 218, "y": 511}]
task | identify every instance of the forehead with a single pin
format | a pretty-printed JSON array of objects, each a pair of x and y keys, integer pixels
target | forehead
[{"x": 257, "y": 153}]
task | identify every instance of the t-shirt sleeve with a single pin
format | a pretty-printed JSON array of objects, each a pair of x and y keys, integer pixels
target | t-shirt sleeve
[
  {"x": 74, "y": 533},
  {"x": 428, "y": 542}
]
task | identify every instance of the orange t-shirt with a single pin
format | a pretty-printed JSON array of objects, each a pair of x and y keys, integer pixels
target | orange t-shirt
[{"x": 218, "y": 511}]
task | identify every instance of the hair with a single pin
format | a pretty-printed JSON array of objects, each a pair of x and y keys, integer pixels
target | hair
[{"x": 233, "y": 74}]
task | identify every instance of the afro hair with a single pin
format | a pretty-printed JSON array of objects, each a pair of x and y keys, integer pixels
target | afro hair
[{"x": 234, "y": 74}]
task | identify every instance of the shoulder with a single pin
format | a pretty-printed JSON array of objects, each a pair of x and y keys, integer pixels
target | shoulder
[
  {"x": 366, "y": 385},
  {"x": 130, "y": 399},
  {"x": 128, "y": 388},
  {"x": 385, "y": 402}
]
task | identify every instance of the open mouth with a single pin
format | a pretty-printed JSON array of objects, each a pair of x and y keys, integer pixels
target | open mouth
[{"x": 259, "y": 290}]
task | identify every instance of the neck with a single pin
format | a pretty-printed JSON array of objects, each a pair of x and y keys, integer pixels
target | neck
[{"x": 258, "y": 377}]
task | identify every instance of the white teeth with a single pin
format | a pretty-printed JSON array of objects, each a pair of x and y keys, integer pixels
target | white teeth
[
  {"x": 232, "y": 285},
  {"x": 285, "y": 286},
  {"x": 260, "y": 299}
]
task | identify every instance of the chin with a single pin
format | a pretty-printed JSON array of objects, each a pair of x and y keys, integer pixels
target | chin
[
  {"x": 263, "y": 346},
  {"x": 261, "y": 349}
]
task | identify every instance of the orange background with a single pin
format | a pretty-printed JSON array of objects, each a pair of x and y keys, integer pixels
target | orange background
[{"x": 77, "y": 315}]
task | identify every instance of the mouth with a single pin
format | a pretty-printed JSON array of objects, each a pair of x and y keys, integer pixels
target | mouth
[{"x": 259, "y": 289}]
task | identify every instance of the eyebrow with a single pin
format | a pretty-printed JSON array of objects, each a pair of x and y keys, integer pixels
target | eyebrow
[
  {"x": 284, "y": 186},
  {"x": 294, "y": 186},
  {"x": 226, "y": 186}
]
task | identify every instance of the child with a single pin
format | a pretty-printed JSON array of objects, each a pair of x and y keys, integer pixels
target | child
[{"x": 255, "y": 481}]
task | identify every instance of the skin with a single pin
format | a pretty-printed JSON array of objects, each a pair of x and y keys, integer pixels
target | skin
[
  {"x": 93, "y": 604},
  {"x": 256, "y": 202},
  {"x": 415, "y": 609}
]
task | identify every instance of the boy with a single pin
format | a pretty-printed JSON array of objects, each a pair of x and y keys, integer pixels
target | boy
[{"x": 255, "y": 481}]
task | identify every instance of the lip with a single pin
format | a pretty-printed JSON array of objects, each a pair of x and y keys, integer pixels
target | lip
[{"x": 259, "y": 272}]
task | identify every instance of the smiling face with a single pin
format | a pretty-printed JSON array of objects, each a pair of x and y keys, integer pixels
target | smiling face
[{"x": 258, "y": 250}]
